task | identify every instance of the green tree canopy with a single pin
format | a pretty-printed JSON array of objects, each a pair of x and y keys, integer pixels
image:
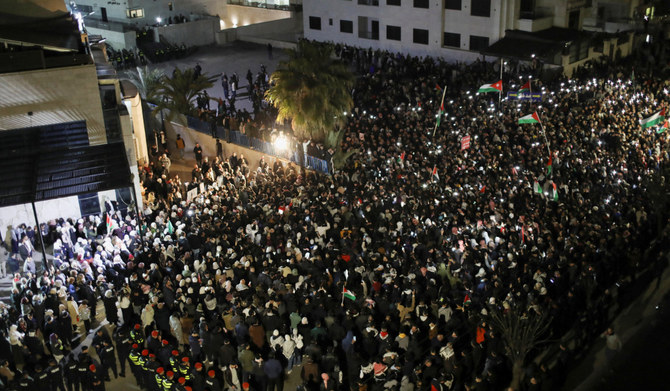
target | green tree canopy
[
  {"x": 146, "y": 80},
  {"x": 178, "y": 92},
  {"x": 313, "y": 90}
]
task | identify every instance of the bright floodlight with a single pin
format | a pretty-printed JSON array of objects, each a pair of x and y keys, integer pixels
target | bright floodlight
[
  {"x": 158, "y": 20},
  {"x": 281, "y": 143}
]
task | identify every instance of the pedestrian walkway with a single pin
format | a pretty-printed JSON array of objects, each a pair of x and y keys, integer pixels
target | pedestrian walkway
[{"x": 642, "y": 329}]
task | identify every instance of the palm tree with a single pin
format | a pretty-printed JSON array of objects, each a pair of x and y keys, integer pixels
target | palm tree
[
  {"x": 313, "y": 90},
  {"x": 178, "y": 92},
  {"x": 147, "y": 82}
]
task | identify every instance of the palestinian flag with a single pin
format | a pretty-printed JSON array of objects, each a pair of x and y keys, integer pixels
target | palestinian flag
[
  {"x": 482, "y": 190},
  {"x": 466, "y": 300},
  {"x": 554, "y": 195},
  {"x": 525, "y": 87},
  {"x": 549, "y": 163},
  {"x": 434, "y": 170},
  {"x": 348, "y": 294},
  {"x": 530, "y": 119},
  {"x": 653, "y": 120},
  {"x": 495, "y": 87},
  {"x": 537, "y": 188},
  {"x": 437, "y": 86},
  {"x": 439, "y": 115},
  {"x": 663, "y": 127},
  {"x": 402, "y": 157},
  {"x": 110, "y": 223}
]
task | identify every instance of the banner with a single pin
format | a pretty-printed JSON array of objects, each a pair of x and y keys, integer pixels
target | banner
[
  {"x": 515, "y": 95},
  {"x": 465, "y": 143}
]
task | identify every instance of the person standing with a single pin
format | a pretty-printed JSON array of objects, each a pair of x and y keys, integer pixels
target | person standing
[
  {"x": 197, "y": 151},
  {"x": 613, "y": 344},
  {"x": 4, "y": 256},
  {"x": 181, "y": 145}
]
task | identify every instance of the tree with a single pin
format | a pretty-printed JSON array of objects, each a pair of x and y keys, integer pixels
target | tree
[
  {"x": 521, "y": 332},
  {"x": 147, "y": 82},
  {"x": 313, "y": 90},
  {"x": 178, "y": 92}
]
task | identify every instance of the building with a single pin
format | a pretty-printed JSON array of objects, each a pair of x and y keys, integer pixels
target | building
[
  {"x": 192, "y": 22},
  {"x": 458, "y": 30},
  {"x": 70, "y": 136}
]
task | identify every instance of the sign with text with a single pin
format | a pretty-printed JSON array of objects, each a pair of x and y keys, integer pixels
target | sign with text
[
  {"x": 465, "y": 143},
  {"x": 515, "y": 95}
]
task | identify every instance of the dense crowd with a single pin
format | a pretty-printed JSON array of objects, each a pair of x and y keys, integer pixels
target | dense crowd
[{"x": 382, "y": 276}]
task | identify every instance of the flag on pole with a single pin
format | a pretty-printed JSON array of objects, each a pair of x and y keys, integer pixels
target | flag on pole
[
  {"x": 434, "y": 170},
  {"x": 525, "y": 87},
  {"x": 348, "y": 294},
  {"x": 554, "y": 195},
  {"x": 549, "y": 163},
  {"x": 663, "y": 127},
  {"x": 438, "y": 87},
  {"x": 653, "y": 120},
  {"x": 402, "y": 157},
  {"x": 482, "y": 190},
  {"x": 530, "y": 119},
  {"x": 537, "y": 188},
  {"x": 495, "y": 87}
]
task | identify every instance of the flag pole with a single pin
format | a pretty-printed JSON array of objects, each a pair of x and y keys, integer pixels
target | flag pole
[
  {"x": 444, "y": 92},
  {"x": 546, "y": 142},
  {"x": 342, "y": 304},
  {"x": 502, "y": 64}
]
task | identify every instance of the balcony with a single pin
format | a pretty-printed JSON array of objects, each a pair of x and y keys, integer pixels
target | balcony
[
  {"x": 536, "y": 20},
  {"x": 283, "y": 5}
]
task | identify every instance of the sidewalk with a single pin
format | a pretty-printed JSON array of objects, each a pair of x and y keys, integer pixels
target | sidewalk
[{"x": 643, "y": 358}]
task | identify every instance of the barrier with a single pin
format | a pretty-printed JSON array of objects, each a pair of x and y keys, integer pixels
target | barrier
[{"x": 238, "y": 138}]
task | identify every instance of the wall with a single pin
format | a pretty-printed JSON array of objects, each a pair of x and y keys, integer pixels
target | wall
[
  {"x": 46, "y": 210},
  {"x": 237, "y": 16},
  {"x": 533, "y": 25},
  {"x": 118, "y": 40},
  {"x": 200, "y": 32},
  {"x": 281, "y": 33},
  {"x": 53, "y": 95},
  {"x": 134, "y": 106}
]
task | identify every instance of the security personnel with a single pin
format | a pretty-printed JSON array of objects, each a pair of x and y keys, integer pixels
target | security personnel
[
  {"x": 55, "y": 376},
  {"x": 41, "y": 378},
  {"x": 174, "y": 361},
  {"x": 134, "y": 358},
  {"x": 198, "y": 379},
  {"x": 83, "y": 372},
  {"x": 164, "y": 353},
  {"x": 150, "y": 367},
  {"x": 142, "y": 368},
  {"x": 71, "y": 379},
  {"x": 212, "y": 382},
  {"x": 26, "y": 383},
  {"x": 95, "y": 379},
  {"x": 136, "y": 335},
  {"x": 108, "y": 359},
  {"x": 159, "y": 378},
  {"x": 185, "y": 369},
  {"x": 123, "y": 345},
  {"x": 181, "y": 385},
  {"x": 168, "y": 382}
]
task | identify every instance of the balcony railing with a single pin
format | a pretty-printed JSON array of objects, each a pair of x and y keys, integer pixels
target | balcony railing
[{"x": 268, "y": 4}]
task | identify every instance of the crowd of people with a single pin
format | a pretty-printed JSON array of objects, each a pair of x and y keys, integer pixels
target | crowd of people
[{"x": 382, "y": 276}]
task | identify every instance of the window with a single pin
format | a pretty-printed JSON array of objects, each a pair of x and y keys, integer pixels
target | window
[
  {"x": 421, "y": 4},
  {"x": 452, "y": 39},
  {"x": 368, "y": 2},
  {"x": 330, "y": 22},
  {"x": 368, "y": 28},
  {"x": 481, "y": 8},
  {"x": 393, "y": 33},
  {"x": 136, "y": 13},
  {"x": 393, "y": 2},
  {"x": 452, "y": 5},
  {"x": 478, "y": 43},
  {"x": 315, "y": 23},
  {"x": 346, "y": 26},
  {"x": 421, "y": 36}
]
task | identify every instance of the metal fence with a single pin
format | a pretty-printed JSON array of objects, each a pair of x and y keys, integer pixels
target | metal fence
[{"x": 235, "y": 137}]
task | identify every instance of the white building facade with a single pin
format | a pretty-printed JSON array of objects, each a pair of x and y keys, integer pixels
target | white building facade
[{"x": 452, "y": 29}]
